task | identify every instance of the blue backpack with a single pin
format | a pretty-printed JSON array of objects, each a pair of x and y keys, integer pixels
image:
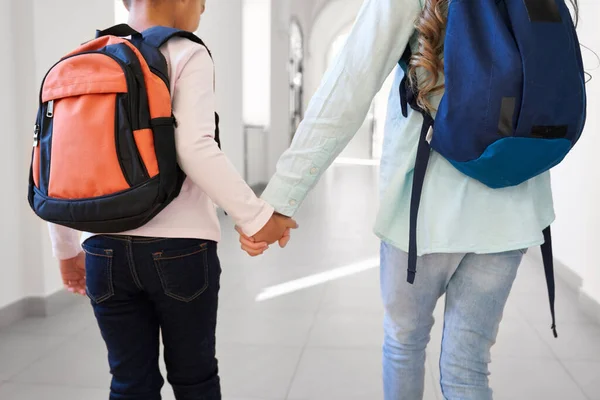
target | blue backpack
[{"x": 514, "y": 102}]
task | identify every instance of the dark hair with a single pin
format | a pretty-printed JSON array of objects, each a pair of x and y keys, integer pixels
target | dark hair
[{"x": 431, "y": 26}]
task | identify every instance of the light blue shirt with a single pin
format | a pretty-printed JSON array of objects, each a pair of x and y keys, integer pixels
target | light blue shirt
[{"x": 457, "y": 214}]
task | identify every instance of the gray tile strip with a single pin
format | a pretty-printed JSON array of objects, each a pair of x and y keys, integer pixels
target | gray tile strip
[{"x": 36, "y": 307}]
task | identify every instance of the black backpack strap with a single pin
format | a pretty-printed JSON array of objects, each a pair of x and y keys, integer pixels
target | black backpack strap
[
  {"x": 217, "y": 130},
  {"x": 409, "y": 97},
  {"x": 159, "y": 35},
  {"x": 405, "y": 59},
  {"x": 121, "y": 30},
  {"x": 403, "y": 63},
  {"x": 548, "y": 258},
  {"x": 421, "y": 162}
]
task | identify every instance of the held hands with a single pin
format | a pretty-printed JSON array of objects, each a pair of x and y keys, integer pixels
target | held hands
[
  {"x": 277, "y": 229},
  {"x": 73, "y": 274}
]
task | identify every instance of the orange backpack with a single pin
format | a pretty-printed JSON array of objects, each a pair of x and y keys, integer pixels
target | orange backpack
[{"x": 104, "y": 157}]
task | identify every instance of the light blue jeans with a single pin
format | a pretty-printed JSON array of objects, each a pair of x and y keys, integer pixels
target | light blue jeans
[{"x": 476, "y": 287}]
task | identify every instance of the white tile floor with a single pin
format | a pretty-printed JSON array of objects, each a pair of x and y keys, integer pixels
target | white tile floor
[{"x": 322, "y": 342}]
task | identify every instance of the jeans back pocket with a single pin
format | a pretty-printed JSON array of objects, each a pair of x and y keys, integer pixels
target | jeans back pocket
[
  {"x": 183, "y": 272},
  {"x": 98, "y": 271}
]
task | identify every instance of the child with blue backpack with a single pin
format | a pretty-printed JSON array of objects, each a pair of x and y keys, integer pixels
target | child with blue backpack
[{"x": 481, "y": 110}]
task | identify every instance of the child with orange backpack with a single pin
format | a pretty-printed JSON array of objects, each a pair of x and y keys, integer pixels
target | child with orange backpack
[{"x": 125, "y": 149}]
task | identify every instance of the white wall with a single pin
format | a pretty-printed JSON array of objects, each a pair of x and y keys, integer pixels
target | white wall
[
  {"x": 257, "y": 62},
  {"x": 31, "y": 245},
  {"x": 318, "y": 6},
  {"x": 279, "y": 128},
  {"x": 221, "y": 30},
  {"x": 44, "y": 32},
  {"x": 59, "y": 27},
  {"x": 121, "y": 13},
  {"x": 11, "y": 284},
  {"x": 577, "y": 181},
  {"x": 303, "y": 11},
  {"x": 265, "y": 69}
]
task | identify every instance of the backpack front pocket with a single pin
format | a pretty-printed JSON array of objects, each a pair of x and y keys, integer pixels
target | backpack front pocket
[{"x": 88, "y": 110}]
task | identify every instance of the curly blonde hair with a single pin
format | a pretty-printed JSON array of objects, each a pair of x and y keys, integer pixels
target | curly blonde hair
[{"x": 431, "y": 27}]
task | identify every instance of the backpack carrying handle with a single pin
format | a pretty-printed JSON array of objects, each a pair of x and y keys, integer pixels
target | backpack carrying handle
[{"x": 121, "y": 30}]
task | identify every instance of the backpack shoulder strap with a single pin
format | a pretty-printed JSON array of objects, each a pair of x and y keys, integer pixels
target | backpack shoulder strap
[
  {"x": 404, "y": 93},
  {"x": 120, "y": 30},
  {"x": 548, "y": 258},
  {"x": 159, "y": 35},
  {"x": 405, "y": 59}
]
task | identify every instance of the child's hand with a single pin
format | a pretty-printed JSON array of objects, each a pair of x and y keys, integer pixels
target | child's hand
[
  {"x": 250, "y": 246},
  {"x": 73, "y": 274},
  {"x": 276, "y": 230},
  {"x": 254, "y": 246},
  {"x": 285, "y": 239}
]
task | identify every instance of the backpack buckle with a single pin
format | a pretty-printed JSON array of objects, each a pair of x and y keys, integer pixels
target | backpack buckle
[
  {"x": 429, "y": 135},
  {"x": 36, "y": 135}
]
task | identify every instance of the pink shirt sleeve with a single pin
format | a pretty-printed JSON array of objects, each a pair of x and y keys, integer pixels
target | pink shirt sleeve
[
  {"x": 199, "y": 155},
  {"x": 65, "y": 242},
  {"x": 192, "y": 77}
]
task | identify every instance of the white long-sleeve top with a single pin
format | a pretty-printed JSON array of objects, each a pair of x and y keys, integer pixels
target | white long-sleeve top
[{"x": 211, "y": 178}]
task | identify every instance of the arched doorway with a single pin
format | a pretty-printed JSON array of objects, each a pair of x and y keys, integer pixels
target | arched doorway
[{"x": 296, "y": 75}]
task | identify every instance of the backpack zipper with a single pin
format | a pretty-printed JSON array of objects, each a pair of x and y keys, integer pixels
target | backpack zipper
[
  {"x": 50, "y": 109},
  {"x": 36, "y": 135}
]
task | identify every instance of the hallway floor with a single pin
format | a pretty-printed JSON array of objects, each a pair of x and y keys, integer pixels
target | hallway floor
[{"x": 305, "y": 323}]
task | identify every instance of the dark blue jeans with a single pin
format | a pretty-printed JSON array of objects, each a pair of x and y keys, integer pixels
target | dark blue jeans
[{"x": 144, "y": 287}]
